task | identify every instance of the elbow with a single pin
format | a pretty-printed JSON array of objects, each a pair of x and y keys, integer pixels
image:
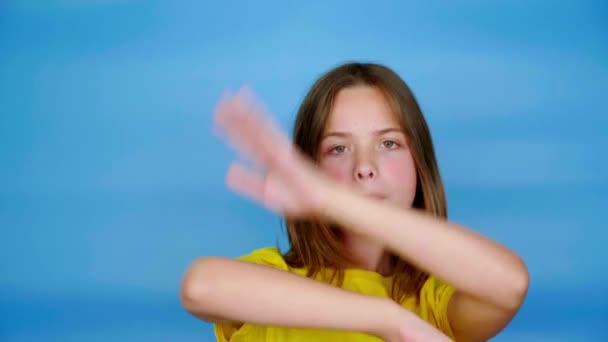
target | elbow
[
  {"x": 519, "y": 283},
  {"x": 198, "y": 284}
]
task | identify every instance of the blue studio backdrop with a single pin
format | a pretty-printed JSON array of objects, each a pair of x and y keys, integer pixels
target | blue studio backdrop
[{"x": 111, "y": 181}]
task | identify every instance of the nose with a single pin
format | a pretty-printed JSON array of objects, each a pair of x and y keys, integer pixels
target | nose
[
  {"x": 365, "y": 173},
  {"x": 365, "y": 169}
]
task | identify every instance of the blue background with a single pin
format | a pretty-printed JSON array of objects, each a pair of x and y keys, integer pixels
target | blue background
[{"x": 111, "y": 182}]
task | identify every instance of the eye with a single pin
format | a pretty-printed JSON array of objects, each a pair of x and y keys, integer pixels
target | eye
[
  {"x": 390, "y": 144},
  {"x": 337, "y": 149}
]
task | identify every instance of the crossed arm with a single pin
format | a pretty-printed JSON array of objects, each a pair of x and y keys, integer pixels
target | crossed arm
[
  {"x": 218, "y": 290},
  {"x": 491, "y": 281}
]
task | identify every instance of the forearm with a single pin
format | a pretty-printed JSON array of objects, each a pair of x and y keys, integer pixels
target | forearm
[
  {"x": 239, "y": 291},
  {"x": 469, "y": 261}
]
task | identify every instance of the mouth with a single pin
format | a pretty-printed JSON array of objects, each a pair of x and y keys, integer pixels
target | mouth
[{"x": 378, "y": 196}]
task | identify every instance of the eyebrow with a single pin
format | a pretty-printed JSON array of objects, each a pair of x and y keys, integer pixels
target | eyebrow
[{"x": 377, "y": 133}]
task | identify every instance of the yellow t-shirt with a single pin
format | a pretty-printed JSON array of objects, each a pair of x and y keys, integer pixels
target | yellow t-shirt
[{"x": 434, "y": 298}]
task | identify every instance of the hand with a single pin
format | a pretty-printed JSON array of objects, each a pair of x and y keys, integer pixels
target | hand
[
  {"x": 408, "y": 327},
  {"x": 288, "y": 182}
]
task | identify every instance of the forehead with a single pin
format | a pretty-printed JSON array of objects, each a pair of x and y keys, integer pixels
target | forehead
[{"x": 361, "y": 108}]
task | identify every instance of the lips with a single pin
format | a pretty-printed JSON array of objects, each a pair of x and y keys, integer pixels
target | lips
[{"x": 377, "y": 196}]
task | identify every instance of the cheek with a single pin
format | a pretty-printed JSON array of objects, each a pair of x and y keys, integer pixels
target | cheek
[
  {"x": 401, "y": 168},
  {"x": 340, "y": 169},
  {"x": 400, "y": 174}
]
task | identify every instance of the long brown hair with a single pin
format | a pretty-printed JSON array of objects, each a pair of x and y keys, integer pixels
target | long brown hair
[{"x": 316, "y": 245}]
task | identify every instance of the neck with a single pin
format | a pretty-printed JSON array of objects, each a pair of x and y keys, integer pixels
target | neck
[{"x": 368, "y": 254}]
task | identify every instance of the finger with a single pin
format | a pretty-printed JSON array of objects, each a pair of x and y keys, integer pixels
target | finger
[
  {"x": 257, "y": 137},
  {"x": 230, "y": 122},
  {"x": 234, "y": 108},
  {"x": 255, "y": 186},
  {"x": 246, "y": 182},
  {"x": 219, "y": 112},
  {"x": 249, "y": 130}
]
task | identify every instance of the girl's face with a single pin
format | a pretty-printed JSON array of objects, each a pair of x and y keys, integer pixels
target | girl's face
[{"x": 364, "y": 146}]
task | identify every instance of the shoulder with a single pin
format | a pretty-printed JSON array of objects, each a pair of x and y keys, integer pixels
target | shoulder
[
  {"x": 268, "y": 256},
  {"x": 434, "y": 288}
]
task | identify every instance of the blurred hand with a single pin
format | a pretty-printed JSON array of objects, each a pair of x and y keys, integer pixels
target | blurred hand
[
  {"x": 289, "y": 183},
  {"x": 286, "y": 181}
]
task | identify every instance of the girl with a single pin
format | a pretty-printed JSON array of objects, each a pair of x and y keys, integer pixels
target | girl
[{"x": 372, "y": 255}]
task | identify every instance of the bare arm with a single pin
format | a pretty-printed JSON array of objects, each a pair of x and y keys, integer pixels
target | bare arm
[
  {"x": 221, "y": 289},
  {"x": 491, "y": 280}
]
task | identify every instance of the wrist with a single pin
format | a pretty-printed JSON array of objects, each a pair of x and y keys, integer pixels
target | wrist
[
  {"x": 324, "y": 199},
  {"x": 387, "y": 319}
]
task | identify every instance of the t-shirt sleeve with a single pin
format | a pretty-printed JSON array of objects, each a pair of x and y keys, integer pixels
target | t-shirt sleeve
[
  {"x": 434, "y": 299},
  {"x": 269, "y": 256}
]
